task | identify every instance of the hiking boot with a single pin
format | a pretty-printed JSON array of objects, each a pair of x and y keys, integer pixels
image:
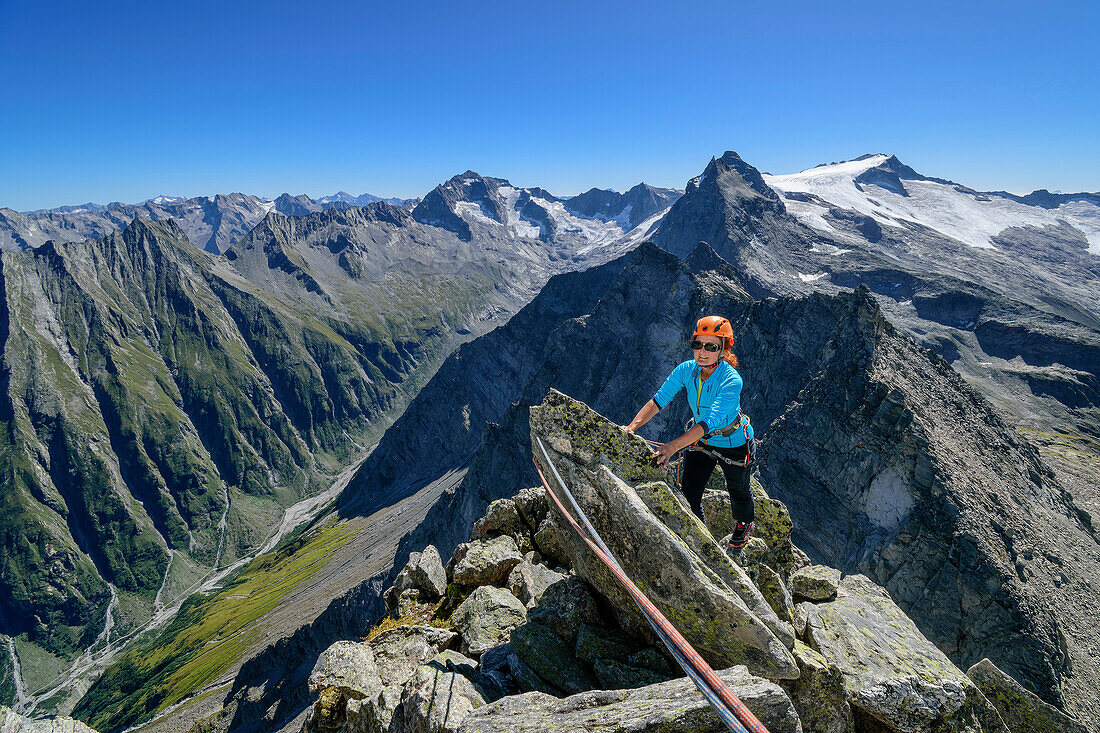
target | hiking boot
[{"x": 740, "y": 536}]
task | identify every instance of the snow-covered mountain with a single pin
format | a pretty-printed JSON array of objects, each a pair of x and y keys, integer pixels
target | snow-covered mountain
[
  {"x": 894, "y": 195},
  {"x": 471, "y": 205}
]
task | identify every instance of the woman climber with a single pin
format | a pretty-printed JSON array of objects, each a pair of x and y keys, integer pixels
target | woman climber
[{"x": 714, "y": 394}]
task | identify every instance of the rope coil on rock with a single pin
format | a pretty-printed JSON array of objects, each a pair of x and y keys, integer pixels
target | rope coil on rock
[{"x": 730, "y": 709}]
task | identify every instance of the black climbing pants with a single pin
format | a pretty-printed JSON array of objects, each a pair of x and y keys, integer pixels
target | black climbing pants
[{"x": 697, "y": 469}]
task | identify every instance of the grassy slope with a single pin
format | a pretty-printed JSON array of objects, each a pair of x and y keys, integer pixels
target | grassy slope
[{"x": 207, "y": 636}]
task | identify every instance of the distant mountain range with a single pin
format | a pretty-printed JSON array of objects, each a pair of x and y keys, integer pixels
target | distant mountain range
[
  {"x": 214, "y": 223},
  {"x": 161, "y": 405}
]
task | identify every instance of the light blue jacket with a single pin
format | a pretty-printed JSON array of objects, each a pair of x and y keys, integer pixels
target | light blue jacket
[{"x": 715, "y": 406}]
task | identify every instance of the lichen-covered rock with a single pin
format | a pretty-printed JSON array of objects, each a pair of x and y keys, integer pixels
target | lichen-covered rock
[
  {"x": 716, "y": 512},
  {"x": 1021, "y": 711},
  {"x": 818, "y": 694},
  {"x": 550, "y": 541},
  {"x": 550, "y": 657},
  {"x": 345, "y": 672},
  {"x": 774, "y": 591},
  {"x": 815, "y": 583},
  {"x": 602, "y": 642},
  {"x": 668, "y": 509},
  {"x": 427, "y": 574},
  {"x": 485, "y": 563},
  {"x": 486, "y": 618},
  {"x": 564, "y": 606},
  {"x": 408, "y": 601},
  {"x": 892, "y": 674},
  {"x": 659, "y": 543},
  {"x": 440, "y": 694},
  {"x": 669, "y": 706},
  {"x": 12, "y": 722},
  {"x": 532, "y": 505},
  {"x": 799, "y": 619},
  {"x": 398, "y": 651},
  {"x": 347, "y": 664},
  {"x": 501, "y": 517},
  {"x": 528, "y": 581}
]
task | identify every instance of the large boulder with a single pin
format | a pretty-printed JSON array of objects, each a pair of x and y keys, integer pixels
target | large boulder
[
  {"x": 486, "y": 618},
  {"x": 397, "y": 653},
  {"x": 894, "y": 678},
  {"x": 564, "y": 606},
  {"x": 344, "y": 672},
  {"x": 532, "y": 505},
  {"x": 485, "y": 562},
  {"x": 1021, "y": 711},
  {"x": 660, "y": 544},
  {"x": 528, "y": 581},
  {"x": 439, "y": 695},
  {"x": 815, "y": 582},
  {"x": 501, "y": 517},
  {"x": 818, "y": 694},
  {"x": 675, "y": 705},
  {"x": 551, "y": 658}
]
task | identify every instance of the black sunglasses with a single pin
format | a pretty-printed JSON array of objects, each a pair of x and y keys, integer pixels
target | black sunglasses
[{"x": 696, "y": 345}]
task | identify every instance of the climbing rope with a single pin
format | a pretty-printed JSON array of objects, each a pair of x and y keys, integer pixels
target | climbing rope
[{"x": 731, "y": 710}]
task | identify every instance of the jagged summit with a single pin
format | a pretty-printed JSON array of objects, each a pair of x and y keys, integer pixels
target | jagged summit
[{"x": 736, "y": 177}]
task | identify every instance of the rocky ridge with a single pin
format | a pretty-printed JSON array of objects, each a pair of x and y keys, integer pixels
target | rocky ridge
[
  {"x": 916, "y": 467},
  {"x": 520, "y": 631}
]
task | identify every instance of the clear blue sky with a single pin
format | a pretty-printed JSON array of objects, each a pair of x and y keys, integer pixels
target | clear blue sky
[{"x": 127, "y": 100}]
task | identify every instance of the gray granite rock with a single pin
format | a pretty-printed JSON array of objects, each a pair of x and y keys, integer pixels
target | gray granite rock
[
  {"x": 486, "y": 618},
  {"x": 439, "y": 695},
  {"x": 1021, "y": 711},
  {"x": 485, "y": 562},
  {"x": 892, "y": 674},
  {"x": 532, "y": 505},
  {"x": 602, "y": 642},
  {"x": 669, "y": 706},
  {"x": 12, "y": 722},
  {"x": 529, "y": 580},
  {"x": 501, "y": 517},
  {"x": 564, "y": 606},
  {"x": 345, "y": 673},
  {"x": 614, "y": 675},
  {"x": 815, "y": 583},
  {"x": 774, "y": 591},
  {"x": 818, "y": 694},
  {"x": 550, "y": 657}
]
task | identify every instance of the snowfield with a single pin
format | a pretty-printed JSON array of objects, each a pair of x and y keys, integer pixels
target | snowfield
[{"x": 969, "y": 217}]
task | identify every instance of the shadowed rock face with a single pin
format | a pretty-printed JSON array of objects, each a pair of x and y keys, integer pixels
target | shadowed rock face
[{"x": 890, "y": 464}]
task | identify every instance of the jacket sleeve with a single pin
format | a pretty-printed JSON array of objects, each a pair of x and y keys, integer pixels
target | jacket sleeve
[
  {"x": 668, "y": 390},
  {"x": 726, "y": 405}
]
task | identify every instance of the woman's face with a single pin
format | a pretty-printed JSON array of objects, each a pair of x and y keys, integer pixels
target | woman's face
[{"x": 703, "y": 357}]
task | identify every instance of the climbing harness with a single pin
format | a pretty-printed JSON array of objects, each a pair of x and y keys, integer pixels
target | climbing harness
[{"x": 731, "y": 710}]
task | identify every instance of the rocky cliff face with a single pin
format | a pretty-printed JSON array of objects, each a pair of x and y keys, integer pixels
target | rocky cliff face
[{"x": 928, "y": 492}]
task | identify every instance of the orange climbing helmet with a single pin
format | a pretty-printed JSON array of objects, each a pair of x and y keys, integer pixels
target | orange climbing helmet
[{"x": 715, "y": 326}]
